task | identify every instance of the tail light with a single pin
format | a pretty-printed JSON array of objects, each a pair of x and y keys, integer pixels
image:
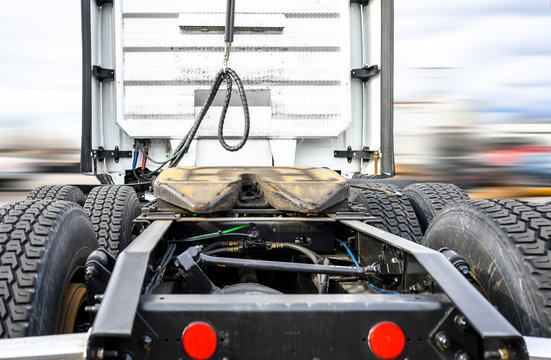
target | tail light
[
  {"x": 199, "y": 340},
  {"x": 387, "y": 340}
]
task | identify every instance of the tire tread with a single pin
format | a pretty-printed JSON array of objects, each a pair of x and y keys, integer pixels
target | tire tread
[
  {"x": 58, "y": 192},
  {"x": 528, "y": 227},
  {"x": 25, "y": 227},
  {"x": 106, "y": 206},
  {"x": 394, "y": 211},
  {"x": 428, "y": 199}
]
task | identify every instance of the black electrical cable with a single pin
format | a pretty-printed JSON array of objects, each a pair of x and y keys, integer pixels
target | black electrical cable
[
  {"x": 156, "y": 279},
  {"x": 230, "y": 19},
  {"x": 140, "y": 176},
  {"x": 223, "y": 75}
]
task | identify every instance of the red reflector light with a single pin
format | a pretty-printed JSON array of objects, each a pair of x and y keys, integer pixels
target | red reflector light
[
  {"x": 199, "y": 340},
  {"x": 387, "y": 340}
]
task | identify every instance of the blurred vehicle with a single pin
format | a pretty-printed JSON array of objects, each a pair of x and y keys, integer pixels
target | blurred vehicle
[
  {"x": 519, "y": 164},
  {"x": 454, "y": 144}
]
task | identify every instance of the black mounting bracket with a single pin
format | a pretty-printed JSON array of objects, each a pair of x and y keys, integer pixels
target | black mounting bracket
[
  {"x": 102, "y": 73},
  {"x": 101, "y": 153},
  {"x": 365, "y": 73},
  {"x": 361, "y": 2},
  {"x": 349, "y": 154},
  {"x": 103, "y": 2}
]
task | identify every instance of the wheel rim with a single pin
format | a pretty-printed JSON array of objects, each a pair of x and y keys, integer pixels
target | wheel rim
[{"x": 73, "y": 316}]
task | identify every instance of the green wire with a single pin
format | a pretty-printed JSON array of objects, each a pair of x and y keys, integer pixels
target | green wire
[
  {"x": 163, "y": 163},
  {"x": 235, "y": 228},
  {"x": 147, "y": 156},
  {"x": 206, "y": 236}
]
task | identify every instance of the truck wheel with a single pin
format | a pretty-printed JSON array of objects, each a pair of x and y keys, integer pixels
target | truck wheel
[
  {"x": 507, "y": 245},
  {"x": 392, "y": 208},
  {"x": 43, "y": 245},
  {"x": 428, "y": 199},
  {"x": 58, "y": 192},
  {"x": 112, "y": 208}
]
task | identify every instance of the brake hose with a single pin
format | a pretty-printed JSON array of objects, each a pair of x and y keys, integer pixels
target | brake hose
[{"x": 229, "y": 76}]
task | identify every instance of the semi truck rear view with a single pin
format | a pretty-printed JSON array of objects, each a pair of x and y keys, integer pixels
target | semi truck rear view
[{"x": 248, "y": 207}]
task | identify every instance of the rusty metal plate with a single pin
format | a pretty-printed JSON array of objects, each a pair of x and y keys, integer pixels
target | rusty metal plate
[{"x": 204, "y": 190}]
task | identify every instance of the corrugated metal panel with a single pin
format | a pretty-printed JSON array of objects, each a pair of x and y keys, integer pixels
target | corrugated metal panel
[{"x": 297, "y": 51}]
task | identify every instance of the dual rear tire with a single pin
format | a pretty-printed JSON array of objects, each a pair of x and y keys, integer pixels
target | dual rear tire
[
  {"x": 43, "y": 248},
  {"x": 44, "y": 243},
  {"x": 507, "y": 244}
]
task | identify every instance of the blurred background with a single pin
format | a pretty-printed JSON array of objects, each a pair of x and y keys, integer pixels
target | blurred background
[{"x": 472, "y": 95}]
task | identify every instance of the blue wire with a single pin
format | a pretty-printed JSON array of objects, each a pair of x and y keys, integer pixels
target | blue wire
[
  {"x": 349, "y": 252},
  {"x": 135, "y": 159},
  {"x": 381, "y": 290},
  {"x": 358, "y": 265}
]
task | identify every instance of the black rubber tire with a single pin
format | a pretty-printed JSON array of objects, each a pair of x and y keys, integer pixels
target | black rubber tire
[
  {"x": 507, "y": 245},
  {"x": 112, "y": 208},
  {"x": 394, "y": 210},
  {"x": 42, "y": 244},
  {"x": 428, "y": 199},
  {"x": 58, "y": 192}
]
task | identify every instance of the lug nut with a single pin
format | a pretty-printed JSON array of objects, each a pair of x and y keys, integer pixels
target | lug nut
[{"x": 443, "y": 341}]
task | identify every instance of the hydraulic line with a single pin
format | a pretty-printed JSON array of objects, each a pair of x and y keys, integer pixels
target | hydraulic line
[
  {"x": 219, "y": 244},
  {"x": 269, "y": 246},
  {"x": 311, "y": 255},
  {"x": 223, "y": 75},
  {"x": 228, "y": 75},
  {"x": 224, "y": 250}
]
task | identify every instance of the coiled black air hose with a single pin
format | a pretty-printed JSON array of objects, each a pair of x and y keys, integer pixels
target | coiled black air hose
[{"x": 227, "y": 75}]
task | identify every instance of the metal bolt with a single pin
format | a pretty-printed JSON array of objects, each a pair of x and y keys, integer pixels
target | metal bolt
[
  {"x": 147, "y": 342},
  {"x": 98, "y": 297},
  {"x": 443, "y": 341},
  {"x": 91, "y": 309},
  {"x": 461, "y": 323},
  {"x": 91, "y": 271},
  {"x": 461, "y": 355},
  {"x": 415, "y": 288},
  {"x": 127, "y": 356},
  {"x": 500, "y": 354}
]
